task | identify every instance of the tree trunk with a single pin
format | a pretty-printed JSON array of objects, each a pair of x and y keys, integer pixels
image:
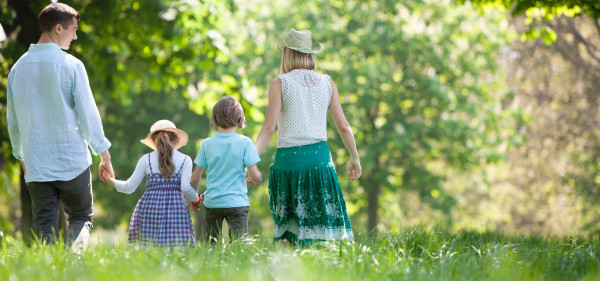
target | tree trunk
[
  {"x": 372, "y": 207},
  {"x": 27, "y": 229},
  {"x": 26, "y": 21}
]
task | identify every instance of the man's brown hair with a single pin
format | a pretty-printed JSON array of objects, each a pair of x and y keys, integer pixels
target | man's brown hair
[
  {"x": 227, "y": 113},
  {"x": 56, "y": 13}
]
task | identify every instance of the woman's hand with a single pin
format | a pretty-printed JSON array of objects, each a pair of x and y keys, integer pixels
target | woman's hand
[{"x": 354, "y": 169}]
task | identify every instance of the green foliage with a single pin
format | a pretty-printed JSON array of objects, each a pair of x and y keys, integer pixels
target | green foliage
[
  {"x": 551, "y": 183},
  {"x": 539, "y": 12},
  {"x": 9, "y": 180},
  {"x": 419, "y": 82},
  {"x": 145, "y": 56},
  {"x": 141, "y": 57},
  {"x": 411, "y": 255},
  {"x": 418, "y": 85},
  {"x": 547, "y": 9}
]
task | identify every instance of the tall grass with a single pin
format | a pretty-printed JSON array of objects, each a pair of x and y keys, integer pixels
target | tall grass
[{"x": 415, "y": 254}]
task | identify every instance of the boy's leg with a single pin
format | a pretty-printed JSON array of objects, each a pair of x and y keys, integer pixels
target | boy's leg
[
  {"x": 237, "y": 219},
  {"x": 44, "y": 204},
  {"x": 214, "y": 222},
  {"x": 77, "y": 200}
]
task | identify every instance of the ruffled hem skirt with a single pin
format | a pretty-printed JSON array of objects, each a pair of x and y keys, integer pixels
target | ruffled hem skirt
[{"x": 305, "y": 197}]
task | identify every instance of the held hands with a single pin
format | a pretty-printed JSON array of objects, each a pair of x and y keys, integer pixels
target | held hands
[
  {"x": 105, "y": 166},
  {"x": 196, "y": 204},
  {"x": 354, "y": 169},
  {"x": 254, "y": 176},
  {"x": 107, "y": 177},
  {"x": 251, "y": 182}
]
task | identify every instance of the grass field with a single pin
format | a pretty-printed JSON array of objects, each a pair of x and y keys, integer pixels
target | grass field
[{"x": 413, "y": 254}]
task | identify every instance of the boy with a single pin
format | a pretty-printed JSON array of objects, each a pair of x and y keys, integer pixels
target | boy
[{"x": 226, "y": 155}]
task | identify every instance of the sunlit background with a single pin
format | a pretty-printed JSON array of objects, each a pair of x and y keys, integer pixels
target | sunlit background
[{"x": 466, "y": 116}]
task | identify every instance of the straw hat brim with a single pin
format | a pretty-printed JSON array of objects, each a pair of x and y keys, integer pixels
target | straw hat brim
[
  {"x": 182, "y": 138},
  {"x": 315, "y": 48}
]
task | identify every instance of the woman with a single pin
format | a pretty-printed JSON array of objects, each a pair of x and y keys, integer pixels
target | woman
[{"x": 305, "y": 197}]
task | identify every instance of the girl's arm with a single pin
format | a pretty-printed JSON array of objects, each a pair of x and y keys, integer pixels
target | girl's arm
[
  {"x": 186, "y": 187},
  {"x": 343, "y": 128},
  {"x": 196, "y": 176},
  {"x": 274, "y": 107},
  {"x": 132, "y": 183},
  {"x": 255, "y": 175},
  {"x": 194, "y": 181}
]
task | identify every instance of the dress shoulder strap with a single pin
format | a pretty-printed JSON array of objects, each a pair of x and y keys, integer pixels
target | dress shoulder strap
[
  {"x": 181, "y": 167},
  {"x": 150, "y": 163}
]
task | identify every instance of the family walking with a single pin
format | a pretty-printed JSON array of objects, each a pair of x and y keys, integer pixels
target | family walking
[{"x": 53, "y": 119}]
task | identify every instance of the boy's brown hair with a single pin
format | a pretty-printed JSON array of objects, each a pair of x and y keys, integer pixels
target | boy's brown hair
[
  {"x": 227, "y": 113},
  {"x": 56, "y": 13}
]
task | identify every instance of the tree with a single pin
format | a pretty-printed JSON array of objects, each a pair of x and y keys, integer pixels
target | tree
[
  {"x": 141, "y": 57},
  {"x": 15, "y": 20},
  {"x": 538, "y": 13},
  {"x": 418, "y": 85},
  {"x": 558, "y": 81},
  {"x": 548, "y": 9},
  {"x": 142, "y": 67}
]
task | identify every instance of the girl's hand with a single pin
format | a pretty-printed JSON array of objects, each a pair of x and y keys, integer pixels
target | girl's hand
[
  {"x": 108, "y": 178},
  {"x": 196, "y": 204},
  {"x": 354, "y": 169}
]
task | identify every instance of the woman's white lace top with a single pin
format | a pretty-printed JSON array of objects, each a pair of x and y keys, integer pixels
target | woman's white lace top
[{"x": 305, "y": 98}]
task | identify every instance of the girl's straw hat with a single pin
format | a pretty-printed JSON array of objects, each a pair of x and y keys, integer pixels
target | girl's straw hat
[
  {"x": 166, "y": 125},
  {"x": 300, "y": 41}
]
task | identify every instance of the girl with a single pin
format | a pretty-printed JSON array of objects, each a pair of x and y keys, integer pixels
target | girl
[
  {"x": 161, "y": 216},
  {"x": 304, "y": 193},
  {"x": 226, "y": 155}
]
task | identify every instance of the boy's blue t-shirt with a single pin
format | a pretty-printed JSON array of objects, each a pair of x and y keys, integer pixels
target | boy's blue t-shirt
[{"x": 226, "y": 156}]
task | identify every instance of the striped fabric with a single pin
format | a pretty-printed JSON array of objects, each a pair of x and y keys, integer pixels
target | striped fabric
[{"x": 161, "y": 216}]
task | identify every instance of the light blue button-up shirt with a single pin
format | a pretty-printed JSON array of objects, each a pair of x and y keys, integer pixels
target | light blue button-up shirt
[{"x": 52, "y": 116}]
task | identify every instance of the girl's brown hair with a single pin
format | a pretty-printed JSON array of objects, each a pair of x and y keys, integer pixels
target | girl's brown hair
[
  {"x": 227, "y": 113},
  {"x": 164, "y": 141},
  {"x": 292, "y": 59}
]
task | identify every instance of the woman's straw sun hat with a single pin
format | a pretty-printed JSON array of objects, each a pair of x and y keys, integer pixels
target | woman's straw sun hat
[
  {"x": 299, "y": 40},
  {"x": 166, "y": 125}
]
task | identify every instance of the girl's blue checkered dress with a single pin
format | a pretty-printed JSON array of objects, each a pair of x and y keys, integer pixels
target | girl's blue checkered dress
[{"x": 161, "y": 216}]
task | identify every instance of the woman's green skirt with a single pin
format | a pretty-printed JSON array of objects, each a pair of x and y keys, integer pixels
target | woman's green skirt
[{"x": 305, "y": 196}]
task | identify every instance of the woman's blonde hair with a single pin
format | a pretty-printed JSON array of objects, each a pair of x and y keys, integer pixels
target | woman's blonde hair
[
  {"x": 292, "y": 59},
  {"x": 164, "y": 146}
]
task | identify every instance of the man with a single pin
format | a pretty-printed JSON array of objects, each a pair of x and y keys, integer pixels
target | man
[{"x": 52, "y": 118}]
